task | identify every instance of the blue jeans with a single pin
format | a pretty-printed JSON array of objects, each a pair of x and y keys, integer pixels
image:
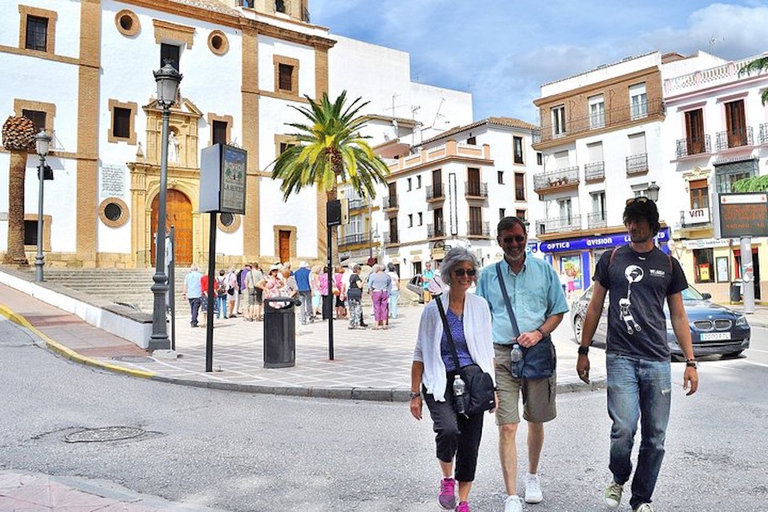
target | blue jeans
[
  {"x": 393, "y": 296},
  {"x": 638, "y": 390},
  {"x": 221, "y": 301},
  {"x": 194, "y": 305}
]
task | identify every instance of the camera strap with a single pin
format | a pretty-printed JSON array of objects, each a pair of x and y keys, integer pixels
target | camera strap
[
  {"x": 510, "y": 312},
  {"x": 447, "y": 331}
]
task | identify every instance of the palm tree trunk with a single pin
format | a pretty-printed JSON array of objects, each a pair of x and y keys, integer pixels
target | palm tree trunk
[{"x": 15, "y": 252}]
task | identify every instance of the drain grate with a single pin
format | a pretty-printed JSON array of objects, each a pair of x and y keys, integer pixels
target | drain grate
[{"x": 103, "y": 435}]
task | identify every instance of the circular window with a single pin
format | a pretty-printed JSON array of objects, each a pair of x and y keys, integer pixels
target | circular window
[
  {"x": 113, "y": 212},
  {"x": 127, "y": 22},
  {"x": 218, "y": 42},
  {"x": 228, "y": 222}
]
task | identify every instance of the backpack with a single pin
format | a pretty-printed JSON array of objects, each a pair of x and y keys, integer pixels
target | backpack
[{"x": 222, "y": 285}]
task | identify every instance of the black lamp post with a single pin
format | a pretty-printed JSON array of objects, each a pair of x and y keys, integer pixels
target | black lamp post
[
  {"x": 167, "y": 79},
  {"x": 42, "y": 146}
]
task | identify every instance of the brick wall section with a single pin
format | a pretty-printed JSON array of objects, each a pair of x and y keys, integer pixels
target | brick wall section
[{"x": 250, "y": 88}]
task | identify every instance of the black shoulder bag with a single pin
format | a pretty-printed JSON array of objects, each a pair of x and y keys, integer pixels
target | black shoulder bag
[
  {"x": 538, "y": 361},
  {"x": 479, "y": 394}
]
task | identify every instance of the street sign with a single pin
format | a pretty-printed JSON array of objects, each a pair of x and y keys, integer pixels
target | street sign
[{"x": 743, "y": 214}]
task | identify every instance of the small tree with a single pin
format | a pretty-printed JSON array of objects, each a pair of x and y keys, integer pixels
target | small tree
[
  {"x": 753, "y": 184},
  {"x": 18, "y": 138},
  {"x": 757, "y": 66}
]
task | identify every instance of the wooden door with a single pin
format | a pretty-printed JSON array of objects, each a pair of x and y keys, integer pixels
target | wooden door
[
  {"x": 694, "y": 128},
  {"x": 179, "y": 215},
  {"x": 735, "y": 124},
  {"x": 284, "y": 239}
]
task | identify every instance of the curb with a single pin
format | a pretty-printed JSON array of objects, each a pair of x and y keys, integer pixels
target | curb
[
  {"x": 68, "y": 353},
  {"x": 340, "y": 393}
]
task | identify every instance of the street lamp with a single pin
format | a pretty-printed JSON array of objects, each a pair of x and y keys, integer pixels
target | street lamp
[
  {"x": 167, "y": 79},
  {"x": 42, "y": 146},
  {"x": 653, "y": 192}
]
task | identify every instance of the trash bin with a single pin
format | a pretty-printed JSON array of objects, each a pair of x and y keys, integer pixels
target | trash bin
[
  {"x": 279, "y": 332},
  {"x": 736, "y": 291}
]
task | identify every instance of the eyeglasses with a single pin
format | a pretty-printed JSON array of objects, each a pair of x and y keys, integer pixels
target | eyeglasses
[
  {"x": 460, "y": 272},
  {"x": 516, "y": 238},
  {"x": 638, "y": 199}
]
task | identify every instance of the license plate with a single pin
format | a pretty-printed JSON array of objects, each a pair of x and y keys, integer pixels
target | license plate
[{"x": 715, "y": 336}]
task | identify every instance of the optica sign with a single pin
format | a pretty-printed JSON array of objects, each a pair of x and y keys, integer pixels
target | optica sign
[{"x": 595, "y": 242}]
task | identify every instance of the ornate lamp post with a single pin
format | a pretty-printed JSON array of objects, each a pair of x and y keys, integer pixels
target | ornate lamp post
[
  {"x": 653, "y": 191},
  {"x": 167, "y": 79},
  {"x": 42, "y": 146}
]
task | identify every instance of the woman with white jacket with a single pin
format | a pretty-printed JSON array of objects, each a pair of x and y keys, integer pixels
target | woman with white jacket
[{"x": 432, "y": 374}]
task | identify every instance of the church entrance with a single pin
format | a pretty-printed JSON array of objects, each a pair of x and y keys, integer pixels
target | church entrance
[{"x": 179, "y": 215}]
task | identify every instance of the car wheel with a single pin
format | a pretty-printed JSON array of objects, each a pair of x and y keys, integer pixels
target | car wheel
[
  {"x": 578, "y": 326},
  {"x": 733, "y": 354}
]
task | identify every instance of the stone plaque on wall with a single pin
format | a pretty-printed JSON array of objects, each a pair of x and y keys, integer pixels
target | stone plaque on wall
[{"x": 112, "y": 181}]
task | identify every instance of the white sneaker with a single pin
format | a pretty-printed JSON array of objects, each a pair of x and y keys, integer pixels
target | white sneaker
[
  {"x": 532, "y": 489},
  {"x": 513, "y": 503},
  {"x": 644, "y": 507},
  {"x": 612, "y": 495}
]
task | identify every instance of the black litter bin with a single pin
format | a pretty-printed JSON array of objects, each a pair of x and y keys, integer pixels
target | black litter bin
[
  {"x": 736, "y": 291},
  {"x": 279, "y": 332}
]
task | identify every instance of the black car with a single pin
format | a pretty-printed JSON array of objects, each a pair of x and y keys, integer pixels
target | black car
[{"x": 715, "y": 329}]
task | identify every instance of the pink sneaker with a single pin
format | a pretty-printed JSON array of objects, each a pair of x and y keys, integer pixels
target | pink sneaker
[
  {"x": 447, "y": 496},
  {"x": 463, "y": 507}
]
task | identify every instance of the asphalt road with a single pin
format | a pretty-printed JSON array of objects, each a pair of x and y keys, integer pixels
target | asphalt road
[{"x": 244, "y": 452}]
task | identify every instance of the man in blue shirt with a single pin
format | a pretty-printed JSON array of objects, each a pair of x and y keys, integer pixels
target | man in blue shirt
[
  {"x": 538, "y": 303},
  {"x": 193, "y": 292},
  {"x": 305, "y": 292}
]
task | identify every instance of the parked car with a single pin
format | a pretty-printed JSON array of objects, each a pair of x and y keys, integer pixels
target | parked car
[
  {"x": 715, "y": 329},
  {"x": 414, "y": 285}
]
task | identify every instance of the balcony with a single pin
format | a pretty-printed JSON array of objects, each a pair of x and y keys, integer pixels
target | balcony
[
  {"x": 561, "y": 179},
  {"x": 613, "y": 118},
  {"x": 478, "y": 228},
  {"x": 691, "y": 146},
  {"x": 357, "y": 204},
  {"x": 391, "y": 238},
  {"x": 594, "y": 172},
  {"x": 476, "y": 189},
  {"x": 637, "y": 164},
  {"x": 597, "y": 220},
  {"x": 353, "y": 239},
  {"x": 734, "y": 139},
  {"x": 435, "y": 230},
  {"x": 763, "y": 137},
  {"x": 558, "y": 225},
  {"x": 390, "y": 203},
  {"x": 435, "y": 192}
]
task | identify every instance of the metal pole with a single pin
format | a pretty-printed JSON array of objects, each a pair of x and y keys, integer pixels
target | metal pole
[
  {"x": 211, "y": 292},
  {"x": 747, "y": 275},
  {"x": 370, "y": 230},
  {"x": 172, "y": 288},
  {"x": 159, "y": 339},
  {"x": 330, "y": 291},
  {"x": 39, "y": 258}
]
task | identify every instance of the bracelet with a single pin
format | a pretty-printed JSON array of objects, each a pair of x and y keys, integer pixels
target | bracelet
[
  {"x": 583, "y": 350},
  {"x": 541, "y": 332},
  {"x": 415, "y": 394}
]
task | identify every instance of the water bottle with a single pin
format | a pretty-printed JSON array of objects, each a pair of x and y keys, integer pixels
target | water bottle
[
  {"x": 458, "y": 394},
  {"x": 517, "y": 353}
]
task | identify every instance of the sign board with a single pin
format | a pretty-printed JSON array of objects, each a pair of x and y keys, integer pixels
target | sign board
[
  {"x": 697, "y": 216},
  {"x": 222, "y": 179},
  {"x": 595, "y": 242},
  {"x": 743, "y": 214}
]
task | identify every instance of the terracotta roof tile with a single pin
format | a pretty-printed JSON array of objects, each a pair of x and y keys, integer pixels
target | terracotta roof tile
[{"x": 509, "y": 122}]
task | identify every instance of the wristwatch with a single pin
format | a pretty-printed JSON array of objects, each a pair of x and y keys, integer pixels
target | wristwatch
[
  {"x": 583, "y": 350},
  {"x": 415, "y": 394},
  {"x": 692, "y": 363}
]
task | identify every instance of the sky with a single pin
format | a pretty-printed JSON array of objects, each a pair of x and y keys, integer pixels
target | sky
[{"x": 502, "y": 51}]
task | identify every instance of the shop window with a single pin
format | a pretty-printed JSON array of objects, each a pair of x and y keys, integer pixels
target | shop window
[{"x": 704, "y": 265}]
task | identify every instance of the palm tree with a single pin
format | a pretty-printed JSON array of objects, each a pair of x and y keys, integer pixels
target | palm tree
[
  {"x": 18, "y": 138},
  {"x": 330, "y": 151},
  {"x": 757, "y": 66}
]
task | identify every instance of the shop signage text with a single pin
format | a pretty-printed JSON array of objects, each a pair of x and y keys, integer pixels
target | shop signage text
[{"x": 594, "y": 242}]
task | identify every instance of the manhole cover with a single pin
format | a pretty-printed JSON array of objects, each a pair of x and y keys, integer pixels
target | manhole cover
[
  {"x": 134, "y": 359},
  {"x": 103, "y": 435}
]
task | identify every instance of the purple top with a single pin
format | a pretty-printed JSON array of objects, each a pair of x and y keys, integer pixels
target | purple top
[{"x": 456, "y": 325}]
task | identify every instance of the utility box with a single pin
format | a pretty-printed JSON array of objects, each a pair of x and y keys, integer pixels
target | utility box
[{"x": 223, "y": 170}]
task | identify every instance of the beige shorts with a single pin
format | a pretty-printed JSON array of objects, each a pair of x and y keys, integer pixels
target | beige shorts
[{"x": 538, "y": 395}]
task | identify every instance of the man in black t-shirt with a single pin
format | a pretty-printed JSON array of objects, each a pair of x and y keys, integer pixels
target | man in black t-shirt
[{"x": 638, "y": 278}]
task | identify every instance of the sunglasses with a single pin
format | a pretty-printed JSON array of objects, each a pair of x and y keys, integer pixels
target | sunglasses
[
  {"x": 516, "y": 238},
  {"x": 460, "y": 272},
  {"x": 638, "y": 199}
]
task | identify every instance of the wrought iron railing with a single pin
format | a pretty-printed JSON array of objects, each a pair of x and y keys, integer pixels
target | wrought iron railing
[
  {"x": 354, "y": 239},
  {"x": 734, "y": 138},
  {"x": 560, "y": 177},
  {"x": 435, "y": 230},
  {"x": 478, "y": 228},
  {"x": 390, "y": 202},
  {"x": 597, "y": 220},
  {"x": 476, "y": 189},
  {"x": 357, "y": 203},
  {"x": 558, "y": 224},
  {"x": 594, "y": 171},
  {"x": 637, "y": 164},
  {"x": 693, "y": 146},
  {"x": 391, "y": 237},
  {"x": 435, "y": 191},
  {"x": 763, "y": 137}
]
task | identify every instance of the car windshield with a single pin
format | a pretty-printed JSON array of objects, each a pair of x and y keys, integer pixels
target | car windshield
[{"x": 691, "y": 293}]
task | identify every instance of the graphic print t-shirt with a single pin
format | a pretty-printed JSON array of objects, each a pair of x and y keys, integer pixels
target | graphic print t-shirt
[{"x": 638, "y": 284}]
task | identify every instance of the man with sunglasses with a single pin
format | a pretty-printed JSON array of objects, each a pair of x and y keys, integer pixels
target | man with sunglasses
[
  {"x": 537, "y": 300},
  {"x": 638, "y": 278}
]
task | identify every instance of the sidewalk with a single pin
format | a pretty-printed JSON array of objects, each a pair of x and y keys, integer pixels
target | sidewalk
[
  {"x": 36, "y": 491},
  {"x": 368, "y": 364}
]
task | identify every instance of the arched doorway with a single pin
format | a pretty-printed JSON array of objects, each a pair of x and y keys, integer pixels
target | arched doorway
[{"x": 179, "y": 215}]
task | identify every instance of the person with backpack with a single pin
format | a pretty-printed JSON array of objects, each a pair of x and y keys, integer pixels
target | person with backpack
[
  {"x": 233, "y": 292},
  {"x": 638, "y": 278},
  {"x": 221, "y": 293},
  {"x": 255, "y": 294}
]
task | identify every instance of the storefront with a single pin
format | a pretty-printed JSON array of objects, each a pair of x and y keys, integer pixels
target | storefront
[{"x": 575, "y": 258}]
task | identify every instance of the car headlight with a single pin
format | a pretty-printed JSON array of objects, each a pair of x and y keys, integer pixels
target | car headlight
[{"x": 741, "y": 321}]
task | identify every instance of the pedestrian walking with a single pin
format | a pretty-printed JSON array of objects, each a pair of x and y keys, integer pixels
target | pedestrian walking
[
  {"x": 305, "y": 292},
  {"x": 221, "y": 294},
  {"x": 193, "y": 292},
  {"x": 434, "y": 368},
  {"x": 254, "y": 293},
  {"x": 379, "y": 285},
  {"x": 314, "y": 283},
  {"x": 233, "y": 292},
  {"x": 638, "y": 278},
  {"x": 242, "y": 302},
  {"x": 338, "y": 292},
  {"x": 527, "y": 304},
  {"x": 394, "y": 290},
  {"x": 354, "y": 293},
  {"x": 426, "y": 277}
]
